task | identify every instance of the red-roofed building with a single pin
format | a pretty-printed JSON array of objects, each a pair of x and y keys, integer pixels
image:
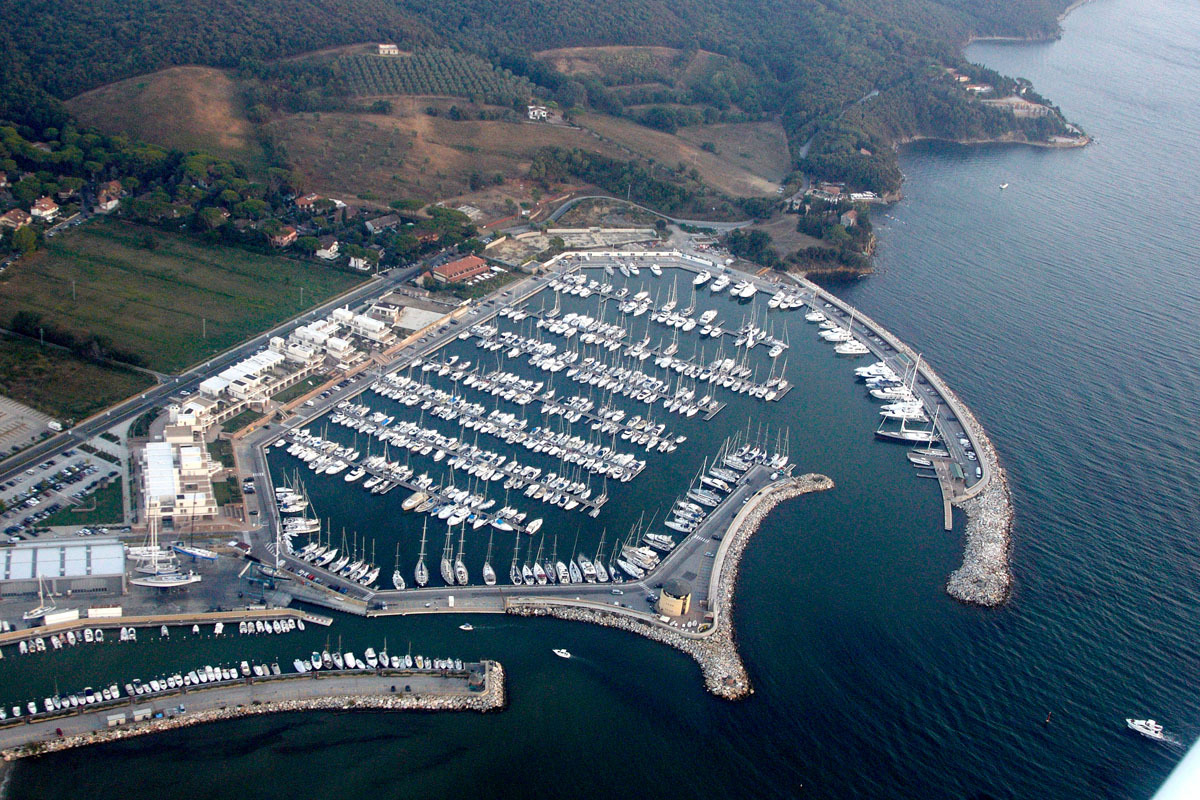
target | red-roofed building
[
  {"x": 461, "y": 270},
  {"x": 44, "y": 209},
  {"x": 286, "y": 236},
  {"x": 15, "y": 219}
]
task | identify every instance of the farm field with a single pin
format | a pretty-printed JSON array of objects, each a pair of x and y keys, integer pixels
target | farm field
[
  {"x": 174, "y": 304},
  {"x": 185, "y": 108},
  {"x": 757, "y": 147},
  {"x": 62, "y": 384}
]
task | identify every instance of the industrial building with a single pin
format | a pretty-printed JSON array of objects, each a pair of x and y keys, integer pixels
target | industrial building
[{"x": 65, "y": 566}]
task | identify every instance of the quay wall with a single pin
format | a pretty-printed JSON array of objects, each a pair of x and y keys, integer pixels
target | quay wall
[
  {"x": 155, "y": 620},
  {"x": 713, "y": 646},
  {"x": 328, "y": 694}
]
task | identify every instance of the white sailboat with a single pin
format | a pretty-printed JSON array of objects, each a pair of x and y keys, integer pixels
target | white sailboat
[
  {"x": 42, "y": 607},
  {"x": 397, "y": 577},
  {"x": 161, "y": 570},
  {"x": 421, "y": 574},
  {"x": 489, "y": 574}
]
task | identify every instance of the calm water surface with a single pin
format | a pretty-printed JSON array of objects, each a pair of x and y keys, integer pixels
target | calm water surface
[{"x": 1065, "y": 312}]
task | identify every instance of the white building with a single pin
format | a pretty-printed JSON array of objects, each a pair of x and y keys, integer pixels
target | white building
[
  {"x": 78, "y": 567},
  {"x": 176, "y": 483}
]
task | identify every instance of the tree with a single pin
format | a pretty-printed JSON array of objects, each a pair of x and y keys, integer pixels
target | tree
[
  {"x": 211, "y": 218},
  {"x": 307, "y": 244},
  {"x": 24, "y": 240}
]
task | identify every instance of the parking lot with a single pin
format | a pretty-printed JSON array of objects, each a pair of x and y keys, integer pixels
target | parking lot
[{"x": 40, "y": 492}]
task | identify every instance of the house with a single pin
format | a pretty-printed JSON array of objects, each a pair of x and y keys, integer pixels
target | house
[
  {"x": 284, "y": 237},
  {"x": 3, "y": 180},
  {"x": 15, "y": 219},
  {"x": 44, "y": 209},
  {"x": 538, "y": 113},
  {"x": 360, "y": 262},
  {"x": 382, "y": 223},
  {"x": 327, "y": 248},
  {"x": 389, "y": 50},
  {"x": 105, "y": 202},
  {"x": 112, "y": 188},
  {"x": 849, "y": 219},
  {"x": 307, "y": 201},
  {"x": 461, "y": 270},
  {"x": 428, "y": 237}
]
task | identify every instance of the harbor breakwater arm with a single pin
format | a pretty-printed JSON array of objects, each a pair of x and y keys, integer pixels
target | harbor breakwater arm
[
  {"x": 984, "y": 577},
  {"x": 713, "y": 646},
  {"x": 480, "y": 687}
]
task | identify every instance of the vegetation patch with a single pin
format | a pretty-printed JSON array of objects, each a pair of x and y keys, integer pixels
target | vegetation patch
[
  {"x": 435, "y": 72},
  {"x": 240, "y": 421},
  {"x": 102, "y": 507},
  {"x": 221, "y": 451},
  {"x": 62, "y": 384},
  {"x": 166, "y": 298},
  {"x": 302, "y": 388}
]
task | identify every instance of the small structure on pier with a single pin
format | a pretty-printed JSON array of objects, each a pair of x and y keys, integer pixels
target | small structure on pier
[{"x": 675, "y": 600}]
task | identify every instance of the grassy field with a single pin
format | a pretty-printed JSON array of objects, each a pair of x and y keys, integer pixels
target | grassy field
[
  {"x": 225, "y": 493},
  {"x": 784, "y": 236},
  {"x": 221, "y": 451},
  {"x": 61, "y": 384},
  {"x": 156, "y": 302},
  {"x": 240, "y": 421},
  {"x": 760, "y": 148},
  {"x": 102, "y": 507},
  {"x": 721, "y": 171},
  {"x": 186, "y": 108},
  {"x": 408, "y": 152},
  {"x": 303, "y": 387}
]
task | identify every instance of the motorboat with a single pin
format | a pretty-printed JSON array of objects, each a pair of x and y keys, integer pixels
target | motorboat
[
  {"x": 1147, "y": 727},
  {"x": 561, "y": 653}
]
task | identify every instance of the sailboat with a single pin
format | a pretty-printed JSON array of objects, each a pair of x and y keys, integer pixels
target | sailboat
[
  {"x": 422, "y": 572},
  {"x": 514, "y": 571},
  {"x": 489, "y": 574},
  {"x": 42, "y": 608},
  {"x": 397, "y": 578},
  {"x": 527, "y": 576},
  {"x": 598, "y": 561},
  {"x": 447, "y": 567},
  {"x": 539, "y": 572},
  {"x": 460, "y": 568},
  {"x": 162, "y": 572}
]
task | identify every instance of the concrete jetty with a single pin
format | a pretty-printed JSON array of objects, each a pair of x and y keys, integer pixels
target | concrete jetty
[
  {"x": 712, "y": 645},
  {"x": 478, "y": 687}
]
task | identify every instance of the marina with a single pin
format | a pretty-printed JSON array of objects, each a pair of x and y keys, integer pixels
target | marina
[{"x": 551, "y": 399}]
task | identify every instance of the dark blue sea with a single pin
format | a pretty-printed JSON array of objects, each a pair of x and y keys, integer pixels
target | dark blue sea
[{"x": 1065, "y": 311}]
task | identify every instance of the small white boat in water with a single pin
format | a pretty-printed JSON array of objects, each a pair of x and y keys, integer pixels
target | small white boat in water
[
  {"x": 1147, "y": 727},
  {"x": 466, "y": 626},
  {"x": 558, "y": 651}
]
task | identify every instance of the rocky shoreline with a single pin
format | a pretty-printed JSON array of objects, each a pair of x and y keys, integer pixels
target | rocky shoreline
[
  {"x": 714, "y": 649},
  {"x": 491, "y": 699}
]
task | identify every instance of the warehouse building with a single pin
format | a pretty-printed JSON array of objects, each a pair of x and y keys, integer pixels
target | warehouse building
[{"x": 65, "y": 567}]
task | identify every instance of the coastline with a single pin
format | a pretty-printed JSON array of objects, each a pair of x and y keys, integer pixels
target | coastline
[
  {"x": 1058, "y": 21},
  {"x": 1072, "y": 144},
  {"x": 714, "y": 649}
]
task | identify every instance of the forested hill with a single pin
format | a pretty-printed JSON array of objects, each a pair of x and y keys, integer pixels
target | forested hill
[{"x": 809, "y": 59}]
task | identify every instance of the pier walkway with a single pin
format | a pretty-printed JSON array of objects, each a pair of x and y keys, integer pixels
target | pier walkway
[{"x": 478, "y": 686}]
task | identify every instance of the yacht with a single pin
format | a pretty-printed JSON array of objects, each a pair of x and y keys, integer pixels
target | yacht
[
  {"x": 561, "y": 653},
  {"x": 1147, "y": 727}
]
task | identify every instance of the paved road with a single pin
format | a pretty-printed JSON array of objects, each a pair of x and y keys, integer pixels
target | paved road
[{"x": 234, "y": 694}]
